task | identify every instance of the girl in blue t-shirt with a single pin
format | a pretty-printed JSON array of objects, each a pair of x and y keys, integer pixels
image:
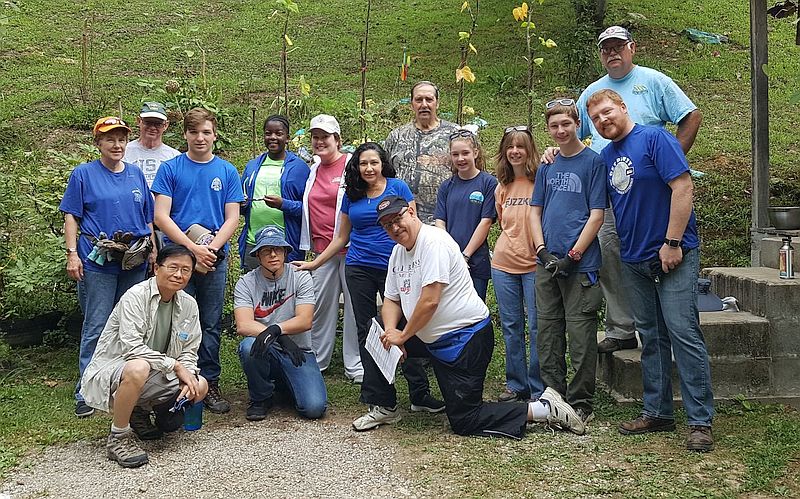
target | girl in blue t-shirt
[
  {"x": 465, "y": 205},
  {"x": 103, "y": 197},
  {"x": 370, "y": 177}
]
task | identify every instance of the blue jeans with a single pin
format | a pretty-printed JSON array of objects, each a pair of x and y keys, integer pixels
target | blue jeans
[
  {"x": 515, "y": 293},
  {"x": 209, "y": 292},
  {"x": 305, "y": 383},
  {"x": 666, "y": 316},
  {"x": 97, "y": 295}
]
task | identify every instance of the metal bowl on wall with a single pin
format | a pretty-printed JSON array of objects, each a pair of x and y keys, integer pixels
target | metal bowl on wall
[{"x": 785, "y": 217}]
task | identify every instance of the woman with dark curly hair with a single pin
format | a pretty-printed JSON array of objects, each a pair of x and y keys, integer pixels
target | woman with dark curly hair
[{"x": 369, "y": 177}]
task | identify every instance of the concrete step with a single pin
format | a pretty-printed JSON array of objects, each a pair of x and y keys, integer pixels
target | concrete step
[
  {"x": 769, "y": 253},
  {"x": 735, "y": 333},
  {"x": 760, "y": 291},
  {"x": 730, "y": 376}
]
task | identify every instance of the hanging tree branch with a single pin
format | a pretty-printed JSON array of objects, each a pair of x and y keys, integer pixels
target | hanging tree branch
[{"x": 362, "y": 114}]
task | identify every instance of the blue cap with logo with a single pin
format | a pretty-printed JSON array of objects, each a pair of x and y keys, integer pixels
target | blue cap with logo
[{"x": 272, "y": 236}]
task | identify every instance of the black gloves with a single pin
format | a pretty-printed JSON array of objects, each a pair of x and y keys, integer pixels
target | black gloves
[
  {"x": 292, "y": 350},
  {"x": 264, "y": 341},
  {"x": 561, "y": 267},
  {"x": 546, "y": 257}
]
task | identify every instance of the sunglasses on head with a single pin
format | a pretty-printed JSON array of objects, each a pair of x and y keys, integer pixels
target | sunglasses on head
[
  {"x": 462, "y": 133},
  {"x": 114, "y": 121},
  {"x": 517, "y": 128},
  {"x": 559, "y": 102}
]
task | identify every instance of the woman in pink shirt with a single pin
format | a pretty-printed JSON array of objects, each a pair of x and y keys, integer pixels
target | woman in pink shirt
[
  {"x": 322, "y": 202},
  {"x": 514, "y": 262}
]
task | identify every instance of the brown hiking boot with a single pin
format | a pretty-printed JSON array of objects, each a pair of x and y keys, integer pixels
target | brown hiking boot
[
  {"x": 700, "y": 439},
  {"x": 646, "y": 424}
]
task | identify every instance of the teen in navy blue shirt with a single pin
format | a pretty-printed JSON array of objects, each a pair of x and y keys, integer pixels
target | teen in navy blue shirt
[
  {"x": 569, "y": 199},
  {"x": 465, "y": 206}
]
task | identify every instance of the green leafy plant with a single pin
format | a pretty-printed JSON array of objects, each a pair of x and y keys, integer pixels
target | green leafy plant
[
  {"x": 464, "y": 73},
  {"x": 286, "y": 7},
  {"x": 523, "y": 15}
]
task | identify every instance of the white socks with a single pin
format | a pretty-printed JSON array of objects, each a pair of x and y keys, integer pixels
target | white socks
[{"x": 540, "y": 410}]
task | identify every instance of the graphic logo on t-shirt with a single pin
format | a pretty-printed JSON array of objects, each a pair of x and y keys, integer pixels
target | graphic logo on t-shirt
[
  {"x": 336, "y": 180},
  {"x": 516, "y": 202},
  {"x": 621, "y": 176},
  {"x": 566, "y": 182},
  {"x": 406, "y": 287},
  {"x": 476, "y": 197},
  {"x": 274, "y": 300},
  {"x": 137, "y": 195},
  {"x": 216, "y": 184},
  {"x": 639, "y": 89}
]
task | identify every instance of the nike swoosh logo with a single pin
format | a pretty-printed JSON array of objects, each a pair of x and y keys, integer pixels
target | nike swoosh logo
[{"x": 260, "y": 313}]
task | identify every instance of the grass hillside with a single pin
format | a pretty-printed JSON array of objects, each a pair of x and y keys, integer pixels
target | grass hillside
[{"x": 41, "y": 78}]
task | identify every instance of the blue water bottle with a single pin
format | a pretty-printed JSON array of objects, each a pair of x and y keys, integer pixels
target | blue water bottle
[{"x": 193, "y": 416}]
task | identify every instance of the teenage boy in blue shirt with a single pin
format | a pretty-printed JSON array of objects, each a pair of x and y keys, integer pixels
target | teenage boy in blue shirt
[
  {"x": 199, "y": 188},
  {"x": 569, "y": 199}
]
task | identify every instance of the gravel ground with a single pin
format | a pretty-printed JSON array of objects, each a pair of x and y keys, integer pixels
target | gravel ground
[{"x": 280, "y": 457}]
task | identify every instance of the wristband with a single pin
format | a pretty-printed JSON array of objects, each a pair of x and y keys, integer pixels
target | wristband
[{"x": 575, "y": 255}]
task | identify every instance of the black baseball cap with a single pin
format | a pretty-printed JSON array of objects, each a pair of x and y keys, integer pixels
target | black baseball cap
[{"x": 390, "y": 205}]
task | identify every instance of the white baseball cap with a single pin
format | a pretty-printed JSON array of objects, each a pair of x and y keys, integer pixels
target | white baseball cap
[
  {"x": 614, "y": 32},
  {"x": 326, "y": 123}
]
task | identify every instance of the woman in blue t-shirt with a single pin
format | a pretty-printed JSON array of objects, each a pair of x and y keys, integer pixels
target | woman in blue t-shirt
[
  {"x": 465, "y": 205},
  {"x": 370, "y": 177},
  {"x": 105, "y": 199}
]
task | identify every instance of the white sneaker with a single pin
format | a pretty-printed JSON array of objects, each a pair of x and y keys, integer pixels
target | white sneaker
[
  {"x": 377, "y": 416},
  {"x": 561, "y": 413}
]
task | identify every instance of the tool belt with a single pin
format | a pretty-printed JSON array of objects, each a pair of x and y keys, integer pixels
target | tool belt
[{"x": 119, "y": 248}]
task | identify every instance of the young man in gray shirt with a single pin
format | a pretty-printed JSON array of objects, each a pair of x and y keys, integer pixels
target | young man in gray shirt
[{"x": 274, "y": 308}]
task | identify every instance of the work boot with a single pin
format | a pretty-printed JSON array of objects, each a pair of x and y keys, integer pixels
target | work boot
[
  {"x": 700, "y": 439},
  {"x": 609, "y": 345},
  {"x": 646, "y": 424},
  {"x": 510, "y": 396},
  {"x": 214, "y": 401}
]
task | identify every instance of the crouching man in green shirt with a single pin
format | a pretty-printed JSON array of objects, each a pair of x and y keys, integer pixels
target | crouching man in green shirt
[{"x": 146, "y": 358}]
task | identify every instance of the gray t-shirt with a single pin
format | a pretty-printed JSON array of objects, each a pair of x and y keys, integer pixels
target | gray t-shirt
[
  {"x": 422, "y": 160},
  {"x": 274, "y": 301}
]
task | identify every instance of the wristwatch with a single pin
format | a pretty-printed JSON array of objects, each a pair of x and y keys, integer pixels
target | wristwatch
[
  {"x": 672, "y": 243},
  {"x": 71, "y": 250}
]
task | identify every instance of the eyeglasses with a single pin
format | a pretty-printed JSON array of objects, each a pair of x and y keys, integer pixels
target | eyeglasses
[
  {"x": 462, "y": 133},
  {"x": 153, "y": 123},
  {"x": 607, "y": 50},
  {"x": 517, "y": 128},
  {"x": 394, "y": 221},
  {"x": 173, "y": 269},
  {"x": 270, "y": 250},
  {"x": 559, "y": 102}
]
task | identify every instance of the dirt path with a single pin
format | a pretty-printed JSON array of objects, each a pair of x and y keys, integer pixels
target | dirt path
[{"x": 282, "y": 456}]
